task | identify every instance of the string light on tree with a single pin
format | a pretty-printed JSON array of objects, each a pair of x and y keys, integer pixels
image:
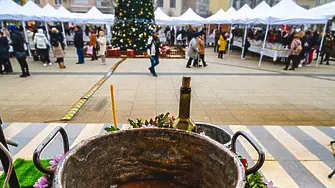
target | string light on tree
[{"x": 134, "y": 26}]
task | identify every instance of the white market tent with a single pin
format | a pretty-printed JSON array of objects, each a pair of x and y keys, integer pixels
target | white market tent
[
  {"x": 190, "y": 17},
  {"x": 95, "y": 16},
  {"x": 327, "y": 10},
  {"x": 220, "y": 17},
  {"x": 9, "y": 10},
  {"x": 260, "y": 14},
  {"x": 288, "y": 12},
  {"x": 242, "y": 15},
  {"x": 66, "y": 15},
  {"x": 162, "y": 18},
  {"x": 36, "y": 12},
  {"x": 52, "y": 13}
]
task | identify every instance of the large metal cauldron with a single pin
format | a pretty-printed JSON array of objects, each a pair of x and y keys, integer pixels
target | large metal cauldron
[{"x": 146, "y": 154}]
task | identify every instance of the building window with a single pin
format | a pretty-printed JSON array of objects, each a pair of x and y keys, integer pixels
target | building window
[
  {"x": 160, "y": 3},
  {"x": 172, "y": 3},
  {"x": 81, "y": 1},
  {"x": 58, "y": 2},
  {"x": 37, "y": 2}
]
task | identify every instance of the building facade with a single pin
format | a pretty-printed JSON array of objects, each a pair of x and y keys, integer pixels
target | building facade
[
  {"x": 170, "y": 7},
  {"x": 105, "y": 6},
  {"x": 178, "y": 7},
  {"x": 216, "y": 5},
  {"x": 308, "y": 4}
]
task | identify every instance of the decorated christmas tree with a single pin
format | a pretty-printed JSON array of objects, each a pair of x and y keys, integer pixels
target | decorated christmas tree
[{"x": 133, "y": 25}]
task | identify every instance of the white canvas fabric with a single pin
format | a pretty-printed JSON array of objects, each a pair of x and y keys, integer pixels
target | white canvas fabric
[
  {"x": 190, "y": 17},
  {"x": 9, "y": 10},
  {"x": 261, "y": 14},
  {"x": 162, "y": 18},
  {"x": 34, "y": 11},
  {"x": 220, "y": 17},
  {"x": 66, "y": 15},
  {"x": 52, "y": 13},
  {"x": 288, "y": 12},
  {"x": 242, "y": 15},
  {"x": 327, "y": 10}
]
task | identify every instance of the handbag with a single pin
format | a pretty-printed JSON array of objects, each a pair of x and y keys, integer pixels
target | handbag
[
  {"x": 20, "y": 55},
  {"x": 89, "y": 50}
]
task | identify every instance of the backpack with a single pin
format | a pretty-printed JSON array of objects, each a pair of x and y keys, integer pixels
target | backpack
[
  {"x": 54, "y": 43},
  {"x": 298, "y": 49},
  {"x": 40, "y": 42}
]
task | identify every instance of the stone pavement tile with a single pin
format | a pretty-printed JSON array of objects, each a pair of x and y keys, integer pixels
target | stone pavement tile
[
  {"x": 283, "y": 106},
  {"x": 319, "y": 115},
  {"x": 308, "y": 123},
  {"x": 238, "y": 107},
  {"x": 275, "y": 118},
  {"x": 297, "y": 116},
  {"x": 221, "y": 117},
  {"x": 58, "y": 113},
  {"x": 266, "y": 107},
  {"x": 267, "y": 112},
  {"x": 13, "y": 115},
  {"x": 328, "y": 123}
]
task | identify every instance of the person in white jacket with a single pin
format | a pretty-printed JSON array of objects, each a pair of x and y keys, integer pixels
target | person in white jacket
[
  {"x": 102, "y": 41},
  {"x": 42, "y": 46},
  {"x": 153, "y": 52},
  {"x": 30, "y": 36}
]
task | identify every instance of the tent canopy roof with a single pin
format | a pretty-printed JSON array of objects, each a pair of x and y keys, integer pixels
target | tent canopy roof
[
  {"x": 190, "y": 17},
  {"x": 220, "y": 17},
  {"x": 327, "y": 10},
  {"x": 260, "y": 13},
  {"x": 9, "y": 10},
  {"x": 161, "y": 17},
  {"x": 288, "y": 12}
]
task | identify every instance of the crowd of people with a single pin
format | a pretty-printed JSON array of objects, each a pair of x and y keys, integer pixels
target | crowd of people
[
  {"x": 302, "y": 44},
  {"x": 41, "y": 43}
]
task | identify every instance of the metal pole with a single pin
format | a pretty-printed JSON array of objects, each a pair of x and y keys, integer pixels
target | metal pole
[
  {"x": 47, "y": 30},
  {"x": 321, "y": 43},
  {"x": 26, "y": 37},
  {"x": 2, "y": 24},
  {"x": 262, "y": 51},
  {"x": 230, "y": 38},
  {"x": 13, "y": 181},
  {"x": 243, "y": 42},
  {"x": 64, "y": 34},
  {"x": 208, "y": 30}
]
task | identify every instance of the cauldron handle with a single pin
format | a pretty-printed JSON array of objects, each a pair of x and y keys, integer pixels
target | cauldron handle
[
  {"x": 45, "y": 142},
  {"x": 261, "y": 155}
]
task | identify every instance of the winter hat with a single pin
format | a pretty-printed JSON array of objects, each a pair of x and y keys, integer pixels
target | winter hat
[
  {"x": 54, "y": 30},
  {"x": 101, "y": 33},
  {"x": 12, "y": 27}
]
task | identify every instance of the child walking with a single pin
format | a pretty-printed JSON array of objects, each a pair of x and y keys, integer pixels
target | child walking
[{"x": 58, "y": 53}]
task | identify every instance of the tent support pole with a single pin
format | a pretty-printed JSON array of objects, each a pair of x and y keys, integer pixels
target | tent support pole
[
  {"x": 321, "y": 43},
  {"x": 208, "y": 30},
  {"x": 65, "y": 42},
  {"x": 47, "y": 30},
  {"x": 230, "y": 37},
  {"x": 264, "y": 42},
  {"x": 26, "y": 37},
  {"x": 243, "y": 42}
]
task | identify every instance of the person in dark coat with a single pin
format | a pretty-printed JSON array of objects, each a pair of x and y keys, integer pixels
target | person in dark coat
[
  {"x": 20, "y": 52},
  {"x": 79, "y": 44},
  {"x": 4, "y": 52},
  {"x": 5, "y": 64},
  {"x": 216, "y": 41}
]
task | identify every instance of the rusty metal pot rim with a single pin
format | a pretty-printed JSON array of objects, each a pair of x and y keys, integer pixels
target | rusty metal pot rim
[{"x": 240, "y": 169}]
